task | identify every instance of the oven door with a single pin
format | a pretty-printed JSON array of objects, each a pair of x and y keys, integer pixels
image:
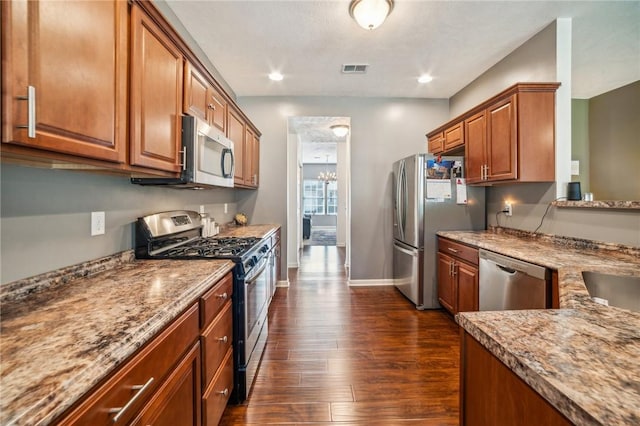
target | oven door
[{"x": 256, "y": 294}]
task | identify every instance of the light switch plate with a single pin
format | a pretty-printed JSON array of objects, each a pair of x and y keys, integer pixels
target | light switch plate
[
  {"x": 97, "y": 223},
  {"x": 575, "y": 167}
]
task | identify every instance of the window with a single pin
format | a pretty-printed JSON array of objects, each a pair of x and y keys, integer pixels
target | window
[{"x": 319, "y": 197}]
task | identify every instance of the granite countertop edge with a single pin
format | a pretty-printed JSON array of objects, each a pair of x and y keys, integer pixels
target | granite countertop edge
[{"x": 574, "y": 301}]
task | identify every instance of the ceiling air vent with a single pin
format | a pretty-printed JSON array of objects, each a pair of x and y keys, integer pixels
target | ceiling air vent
[{"x": 354, "y": 68}]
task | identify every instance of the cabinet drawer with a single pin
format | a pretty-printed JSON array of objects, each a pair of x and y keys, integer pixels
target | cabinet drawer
[
  {"x": 216, "y": 341},
  {"x": 214, "y": 300},
  {"x": 217, "y": 394},
  {"x": 148, "y": 369},
  {"x": 461, "y": 251}
]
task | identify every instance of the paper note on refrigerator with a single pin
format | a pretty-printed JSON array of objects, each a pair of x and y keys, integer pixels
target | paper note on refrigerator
[
  {"x": 438, "y": 188},
  {"x": 461, "y": 191}
]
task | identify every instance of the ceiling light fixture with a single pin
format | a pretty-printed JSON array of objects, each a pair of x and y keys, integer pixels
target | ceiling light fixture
[
  {"x": 275, "y": 76},
  {"x": 370, "y": 14},
  {"x": 340, "y": 130},
  {"x": 327, "y": 176},
  {"x": 425, "y": 78}
]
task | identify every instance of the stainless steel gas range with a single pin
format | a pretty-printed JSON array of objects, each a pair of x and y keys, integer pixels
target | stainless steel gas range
[{"x": 177, "y": 235}]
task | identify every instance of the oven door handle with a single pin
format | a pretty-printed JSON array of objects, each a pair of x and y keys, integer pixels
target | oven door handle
[{"x": 254, "y": 276}]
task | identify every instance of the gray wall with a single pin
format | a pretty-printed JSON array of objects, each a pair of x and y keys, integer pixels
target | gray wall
[
  {"x": 580, "y": 141},
  {"x": 614, "y": 144},
  {"x": 45, "y": 216},
  {"x": 382, "y": 131}
]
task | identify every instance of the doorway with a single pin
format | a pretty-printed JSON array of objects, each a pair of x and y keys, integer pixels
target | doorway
[{"x": 318, "y": 210}]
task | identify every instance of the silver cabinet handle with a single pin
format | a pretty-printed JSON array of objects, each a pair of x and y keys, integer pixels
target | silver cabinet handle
[
  {"x": 222, "y": 339},
  {"x": 31, "y": 111},
  {"x": 183, "y": 151},
  {"x": 211, "y": 106},
  {"x": 222, "y": 296},
  {"x": 452, "y": 250},
  {"x": 225, "y": 392},
  {"x": 119, "y": 411}
]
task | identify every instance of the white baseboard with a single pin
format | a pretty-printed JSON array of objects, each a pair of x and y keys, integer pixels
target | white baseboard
[
  {"x": 341, "y": 245},
  {"x": 282, "y": 283},
  {"x": 292, "y": 265},
  {"x": 370, "y": 283}
]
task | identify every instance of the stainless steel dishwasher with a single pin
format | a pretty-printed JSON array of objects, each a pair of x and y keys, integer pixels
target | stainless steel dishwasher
[{"x": 507, "y": 283}]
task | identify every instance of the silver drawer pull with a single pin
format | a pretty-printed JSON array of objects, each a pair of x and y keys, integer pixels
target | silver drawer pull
[
  {"x": 212, "y": 106},
  {"x": 222, "y": 296},
  {"x": 222, "y": 339},
  {"x": 225, "y": 392},
  {"x": 31, "y": 111},
  {"x": 119, "y": 411},
  {"x": 452, "y": 250}
]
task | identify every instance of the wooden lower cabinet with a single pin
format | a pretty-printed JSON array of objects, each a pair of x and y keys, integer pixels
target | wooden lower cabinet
[
  {"x": 492, "y": 395},
  {"x": 216, "y": 395},
  {"x": 458, "y": 276},
  {"x": 150, "y": 374},
  {"x": 177, "y": 401}
]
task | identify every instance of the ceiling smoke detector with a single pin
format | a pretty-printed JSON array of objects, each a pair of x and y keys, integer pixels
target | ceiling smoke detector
[{"x": 354, "y": 68}]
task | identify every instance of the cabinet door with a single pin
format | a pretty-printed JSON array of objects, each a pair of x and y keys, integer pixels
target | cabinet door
[
  {"x": 156, "y": 95},
  {"x": 467, "y": 279},
  {"x": 435, "y": 144},
  {"x": 453, "y": 136},
  {"x": 196, "y": 93},
  {"x": 236, "y": 134},
  {"x": 217, "y": 109},
  {"x": 74, "y": 55},
  {"x": 177, "y": 402},
  {"x": 446, "y": 288},
  {"x": 252, "y": 158},
  {"x": 502, "y": 136},
  {"x": 475, "y": 132}
]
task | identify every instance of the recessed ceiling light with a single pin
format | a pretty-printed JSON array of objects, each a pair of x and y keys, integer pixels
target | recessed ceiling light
[
  {"x": 275, "y": 76},
  {"x": 425, "y": 78}
]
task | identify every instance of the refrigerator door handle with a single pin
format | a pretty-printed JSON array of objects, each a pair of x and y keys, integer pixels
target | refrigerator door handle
[
  {"x": 399, "y": 200},
  {"x": 412, "y": 252}
]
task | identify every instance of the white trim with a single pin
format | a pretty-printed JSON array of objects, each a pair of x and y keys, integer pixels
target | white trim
[
  {"x": 341, "y": 245},
  {"x": 293, "y": 265},
  {"x": 369, "y": 283},
  {"x": 282, "y": 283}
]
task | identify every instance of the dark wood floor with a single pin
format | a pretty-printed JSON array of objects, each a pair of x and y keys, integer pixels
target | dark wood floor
[{"x": 340, "y": 355}]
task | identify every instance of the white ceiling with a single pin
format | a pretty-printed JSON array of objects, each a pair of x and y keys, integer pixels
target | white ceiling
[{"x": 454, "y": 41}]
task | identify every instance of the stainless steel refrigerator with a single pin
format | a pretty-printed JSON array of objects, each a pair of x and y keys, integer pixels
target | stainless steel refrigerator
[{"x": 429, "y": 195}]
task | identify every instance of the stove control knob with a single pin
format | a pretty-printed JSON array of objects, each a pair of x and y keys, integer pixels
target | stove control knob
[
  {"x": 251, "y": 262},
  {"x": 264, "y": 249}
]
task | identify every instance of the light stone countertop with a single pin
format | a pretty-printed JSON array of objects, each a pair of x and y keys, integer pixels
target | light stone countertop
[
  {"x": 583, "y": 358},
  {"x": 57, "y": 344},
  {"x": 62, "y": 332}
]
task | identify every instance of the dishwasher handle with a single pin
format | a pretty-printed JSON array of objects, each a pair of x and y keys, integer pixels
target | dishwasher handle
[{"x": 511, "y": 265}]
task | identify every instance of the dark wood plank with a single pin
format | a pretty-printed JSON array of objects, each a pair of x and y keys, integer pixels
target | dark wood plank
[{"x": 340, "y": 355}]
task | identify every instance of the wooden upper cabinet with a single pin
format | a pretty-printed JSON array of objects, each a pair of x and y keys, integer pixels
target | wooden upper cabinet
[
  {"x": 156, "y": 95},
  {"x": 196, "y": 93},
  {"x": 217, "y": 109},
  {"x": 453, "y": 136},
  {"x": 74, "y": 56},
  {"x": 475, "y": 128},
  {"x": 251, "y": 158},
  {"x": 202, "y": 100},
  {"x": 502, "y": 151},
  {"x": 435, "y": 143},
  {"x": 236, "y": 132}
]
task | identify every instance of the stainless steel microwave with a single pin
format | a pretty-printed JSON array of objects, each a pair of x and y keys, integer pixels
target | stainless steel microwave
[{"x": 207, "y": 158}]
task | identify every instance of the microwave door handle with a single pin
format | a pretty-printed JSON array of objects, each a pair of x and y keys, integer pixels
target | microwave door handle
[{"x": 225, "y": 152}]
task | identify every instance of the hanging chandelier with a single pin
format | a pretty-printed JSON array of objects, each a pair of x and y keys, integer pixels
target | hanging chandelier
[{"x": 327, "y": 176}]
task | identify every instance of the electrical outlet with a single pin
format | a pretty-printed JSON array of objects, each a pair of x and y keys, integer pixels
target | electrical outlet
[
  {"x": 97, "y": 223},
  {"x": 508, "y": 209},
  {"x": 226, "y": 210}
]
